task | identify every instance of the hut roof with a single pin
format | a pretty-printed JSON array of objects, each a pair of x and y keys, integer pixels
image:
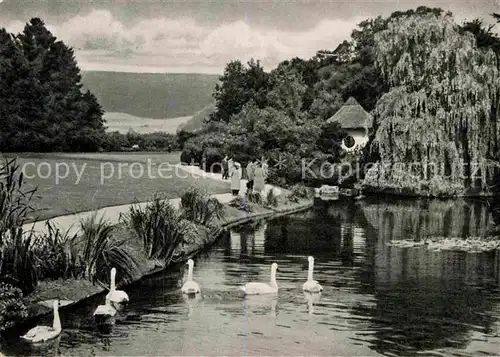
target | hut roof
[{"x": 352, "y": 116}]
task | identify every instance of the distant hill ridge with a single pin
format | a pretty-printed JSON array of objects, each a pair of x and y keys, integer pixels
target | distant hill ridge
[
  {"x": 151, "y": 95},
  {"x": 197, "y": 121}
]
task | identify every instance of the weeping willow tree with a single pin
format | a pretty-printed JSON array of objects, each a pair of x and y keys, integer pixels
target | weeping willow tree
[{"x": 438, "y": 125}]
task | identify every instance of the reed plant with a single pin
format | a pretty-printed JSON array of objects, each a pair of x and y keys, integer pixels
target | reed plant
[
  {"x": 19, "y": 260},
  {"x": 199, "y": 207},
  {"x": 100, "y": 251},
  {"x": 58, "y": 255},
  {"x": 17, "y": 263},
  {"x": 160, "y": 227}
]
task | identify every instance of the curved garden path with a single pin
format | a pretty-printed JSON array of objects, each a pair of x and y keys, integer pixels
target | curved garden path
[{"x": 71, "y": 223}]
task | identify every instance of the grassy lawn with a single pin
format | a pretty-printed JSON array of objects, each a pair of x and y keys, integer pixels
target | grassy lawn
[{"x": 70, "y": 183}]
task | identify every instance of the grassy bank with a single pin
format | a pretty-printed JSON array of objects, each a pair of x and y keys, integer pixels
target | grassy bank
[
  {"x": 72, "y": 183},
  {"x": 200, "y": 237}
]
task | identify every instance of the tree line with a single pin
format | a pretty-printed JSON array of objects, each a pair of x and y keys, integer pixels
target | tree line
[{"x": 284, "y": 111}]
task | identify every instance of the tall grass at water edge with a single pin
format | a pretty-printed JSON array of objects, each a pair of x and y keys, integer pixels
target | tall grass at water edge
[
  {"x": 199, "y": 207},
  {"x": 101, "y": 251},
  {"x": 17, "y": 266},
  {"x": 160, "y": 227},
  {"x": 28, "y": 257}
]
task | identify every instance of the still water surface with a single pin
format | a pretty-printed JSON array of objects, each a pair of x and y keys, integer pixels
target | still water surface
[{"x": 377, "y": 300}]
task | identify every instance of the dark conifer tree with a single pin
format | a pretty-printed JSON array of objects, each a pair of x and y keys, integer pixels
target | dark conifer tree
[{"x": 43, "y": 108}]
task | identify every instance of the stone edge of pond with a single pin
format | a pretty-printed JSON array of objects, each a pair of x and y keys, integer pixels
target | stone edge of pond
[{"x": 303, "y": 205}]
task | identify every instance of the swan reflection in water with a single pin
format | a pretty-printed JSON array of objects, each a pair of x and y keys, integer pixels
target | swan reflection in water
[
  {"x": 192, "y": 301},
  {"x": 312, "y": 298},
  {"x": 258, "y": 302}
]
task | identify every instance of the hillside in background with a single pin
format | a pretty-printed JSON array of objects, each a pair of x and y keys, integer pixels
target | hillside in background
[
  {"x": 124, "y": 122},
  {"x": 151, "y": 95},
  {"x": 196, "y": 122}
]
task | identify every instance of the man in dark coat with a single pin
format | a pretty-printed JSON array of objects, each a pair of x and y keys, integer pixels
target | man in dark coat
[{"x": 225, "y": 169}]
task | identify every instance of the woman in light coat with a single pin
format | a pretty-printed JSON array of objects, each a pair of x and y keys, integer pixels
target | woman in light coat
[
  {"x": 258, "y": 180},
  {"x": 230, "y": 165},
  {"x": 250, "y": 173},
  {"x": 236, "y": 179},
  {"x": 265, "y": 168}
]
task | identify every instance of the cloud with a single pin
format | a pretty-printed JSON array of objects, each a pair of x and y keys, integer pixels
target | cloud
[{"x": 159, "y": 44}]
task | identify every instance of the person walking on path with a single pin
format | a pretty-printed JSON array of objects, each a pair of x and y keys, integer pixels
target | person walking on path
[
  {"x": 265, "y": 168},
  {"x": 230, "y": 167},
  {"x": 235, "y": 179},
  {"x": 250, "y": 176},
  {"x": 259, "y": 183},
  {"x": 225, "y": 169},
  {"x": 204, "y": 163}
]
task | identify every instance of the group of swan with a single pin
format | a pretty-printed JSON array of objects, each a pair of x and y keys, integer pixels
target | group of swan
[
  {"x": 114, "y": 297},
  {"x": 311, "y": 285},
  {"x": 44, "y": 333}
]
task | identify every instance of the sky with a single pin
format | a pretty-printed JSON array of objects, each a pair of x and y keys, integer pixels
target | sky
[{"x": 201, "y": 36}]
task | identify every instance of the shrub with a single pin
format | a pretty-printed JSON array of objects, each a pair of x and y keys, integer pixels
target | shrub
[
  {"x": 298, "y": 192},
  {"x": 115, "y": 141},
  {"x": 285, "y": 167},
  {"x": 160, "y": 141},
  {"x": 100, "y": 252},
  {"x": 160, "y": 227},
  {"x": 194, "y": 151},
  {"x": 12, "y": 308},
  {"x": 271, "y": 199},
  {"x": 186, "y": 157},
  {"x": 241, "y": 203},
  {"x": 197, "y": 206},
  {"x": 254, "y": 197},
  {"x": 183, "y": 136},
  {"x": 214, "y": 159}
]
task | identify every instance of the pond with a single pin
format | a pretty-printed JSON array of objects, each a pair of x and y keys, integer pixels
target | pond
[{"x": 377, "y": 300}]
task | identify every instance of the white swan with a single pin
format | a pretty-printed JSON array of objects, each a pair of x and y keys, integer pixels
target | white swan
[
  {"x": 116, "y": 296},
  {"x": 311, "y": 285},
  {"x": 263, "y": 288},
  {"x": 105, "y": 310},
  {"x": 190, "y": 286},
  {"x": 44, "y": 333}
]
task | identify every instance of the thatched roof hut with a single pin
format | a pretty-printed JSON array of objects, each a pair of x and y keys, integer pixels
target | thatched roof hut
[{"x": 352, "y": 116}]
